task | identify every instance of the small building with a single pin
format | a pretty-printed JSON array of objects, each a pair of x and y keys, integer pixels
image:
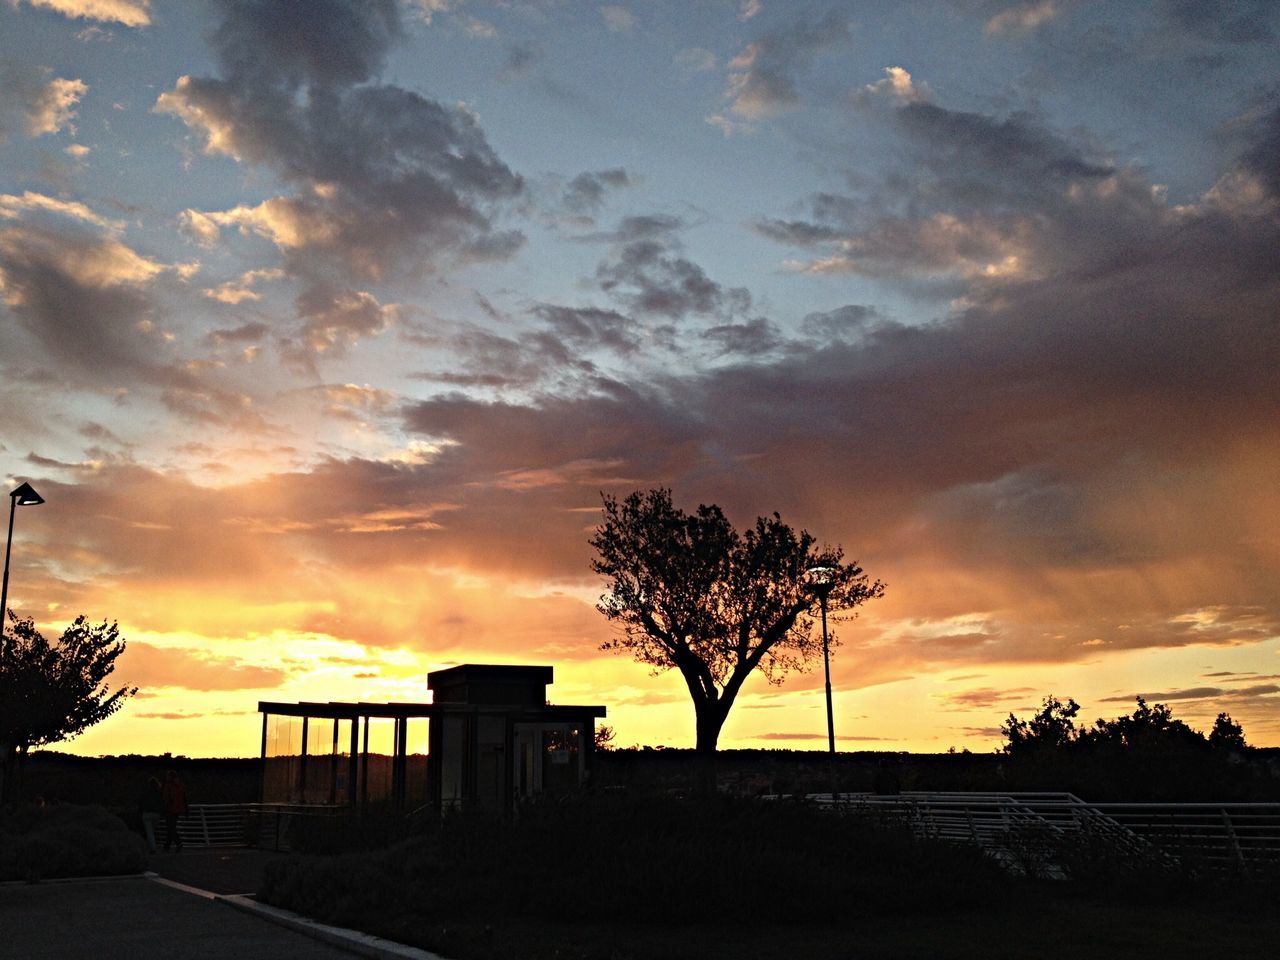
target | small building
[{"x": 488, "y": 739}]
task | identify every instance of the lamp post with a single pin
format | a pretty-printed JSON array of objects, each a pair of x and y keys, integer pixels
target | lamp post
[
  {"x": 822, "y": 581},
  {"x": 24, "y": 496}
]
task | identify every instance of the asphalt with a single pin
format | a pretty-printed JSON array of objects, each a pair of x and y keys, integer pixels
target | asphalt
[{"x": 192, "y": 906}]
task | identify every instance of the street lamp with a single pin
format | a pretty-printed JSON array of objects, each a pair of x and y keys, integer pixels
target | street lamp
[
  {"x": 24, "y": 496},
  {"x": 822, "y": 580}
]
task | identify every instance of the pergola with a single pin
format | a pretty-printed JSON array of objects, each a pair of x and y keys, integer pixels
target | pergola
[{"x": 489, "y": 739}]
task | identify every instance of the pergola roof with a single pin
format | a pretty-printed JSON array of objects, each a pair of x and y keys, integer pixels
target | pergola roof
[{"x": 340, "y": 710}]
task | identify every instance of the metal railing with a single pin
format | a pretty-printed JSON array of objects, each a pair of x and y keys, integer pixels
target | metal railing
[
  {"x": 1215, "y": 837},
  {"x": 265, "y": 825}
]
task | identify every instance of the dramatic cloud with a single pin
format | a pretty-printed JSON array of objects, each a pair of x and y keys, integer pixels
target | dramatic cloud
[
  {"x": 74, "y": 286},
  {"x": 322, "y": 395},
  {"x": 386, "y": 178}
]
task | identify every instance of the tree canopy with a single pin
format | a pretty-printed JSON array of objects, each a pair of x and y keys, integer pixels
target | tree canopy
[
  {"x": 694, "y": 594},
  {"x": 1147, "y": 754},
  {"x": 54, "y": 691},
  {"x": 1149, "y": 727}
]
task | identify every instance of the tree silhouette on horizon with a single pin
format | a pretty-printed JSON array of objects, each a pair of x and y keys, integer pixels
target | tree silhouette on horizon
[{"x": 694, "y": 594}]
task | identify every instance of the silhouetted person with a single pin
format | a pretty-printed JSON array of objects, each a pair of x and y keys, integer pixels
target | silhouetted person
[
  {"x": 174, "y": 794},
  {"x": 151, "y": 806}
]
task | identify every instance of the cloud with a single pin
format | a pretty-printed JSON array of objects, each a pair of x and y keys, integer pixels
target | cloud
[
  {"x": 899, "y": 86},
  {"x": 648, "y": 273},
  {"x": 749, "y": 9},
  {"x": 842, "y": 323},
  {"x": 521, "y": 58},
  {"x": 586, "y": 192},
  {"x": 763, "y": 77},
  {"x": 618, "y": 18},
  {"x": 147, "y": 666},
  {"x": 76, "y": 288},
  {"x": 753, "y": 338},
  {"x": 1023, "y": 16},
  {"x": 385, "y": 179},
  {"x": 55, "y": 107},
  {"x": 1223, "y": 21},
  {"x": 237, "y": 291},
  {"x": 478, "y": 29},
  {"x": 427, "y": 9},
  {"x": 335, "y": 319},
  {"x": 592, "y": 327},
  {"x": 35, "y": 102},
  {"x": 984, "y": 698},
  {"x": 990, "y": 200},
  {"x": 128, "y": 13}
]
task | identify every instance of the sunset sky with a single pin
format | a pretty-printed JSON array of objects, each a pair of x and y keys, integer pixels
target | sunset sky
[{"x": 324, "y": 324}]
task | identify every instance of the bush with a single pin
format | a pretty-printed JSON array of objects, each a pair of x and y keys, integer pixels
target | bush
[
  {"x": 39, "y": 843},
  {"x": 619, "y": 861}
]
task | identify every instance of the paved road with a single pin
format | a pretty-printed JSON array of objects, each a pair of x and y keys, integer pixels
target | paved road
[{"x": 139, "y": 919}]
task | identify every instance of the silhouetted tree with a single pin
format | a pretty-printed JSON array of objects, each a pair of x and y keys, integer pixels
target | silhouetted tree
[
  {"x": 1227, "y": 735},
  {"x": 1148, "y": 727},
  {"x": 604, "y": 737},
  {"x": 51, "y": 692},
  {"x": 694, "y": 594},
  {"x": 1050, "y": 729},
  {"x": 1148, "y": 754}
]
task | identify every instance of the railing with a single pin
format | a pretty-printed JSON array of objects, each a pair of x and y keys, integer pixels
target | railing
[
  {"x": 263, "y": 825},
  {"x": 1214, "y": 837}
]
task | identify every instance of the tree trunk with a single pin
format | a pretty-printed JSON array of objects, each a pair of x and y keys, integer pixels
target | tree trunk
[
  {"x": 710, "y": 718},
  {"x": 9, "y": 780}
]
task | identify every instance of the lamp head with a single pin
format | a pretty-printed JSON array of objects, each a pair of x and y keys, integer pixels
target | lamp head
[
  {"x": 822, "y": 579},
  {"x": 26, "y": 496}
]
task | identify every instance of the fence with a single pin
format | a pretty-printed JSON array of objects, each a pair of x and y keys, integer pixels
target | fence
[
  {"x": 1218, "y": 837},
  {"x": 265, "y": 825}
]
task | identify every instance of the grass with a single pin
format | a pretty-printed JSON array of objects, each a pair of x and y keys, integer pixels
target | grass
[
  {"x": 622, "y": 879},
  {"x": 66, "y": 840}
]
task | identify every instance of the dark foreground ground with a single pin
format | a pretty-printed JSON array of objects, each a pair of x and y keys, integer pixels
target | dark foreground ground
[
  {"x": 132, "y": 918},
  {"x": 1064, "y": 928}
]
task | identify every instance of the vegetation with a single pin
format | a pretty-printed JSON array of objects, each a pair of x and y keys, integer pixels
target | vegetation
[
  {"x": 693, "y": 594},
  {"x": 632, "y": 862},
  {"x": 608, "y": 878},
  {"x": 44, "y": 842},
  {"x": 54, "y": 691},
  {"x": 1149, "y": 754}
]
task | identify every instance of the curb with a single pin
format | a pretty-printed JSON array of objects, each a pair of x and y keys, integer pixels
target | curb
[
  {"x": 102, "y": 878},
  {"x": 353, "y": 941},
  {"x": 362, "y": 944}
]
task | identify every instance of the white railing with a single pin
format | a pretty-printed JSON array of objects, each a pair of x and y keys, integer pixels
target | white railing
[
  {"x": 1206, "y": 836},
  {"x": 244, "y": 824}
]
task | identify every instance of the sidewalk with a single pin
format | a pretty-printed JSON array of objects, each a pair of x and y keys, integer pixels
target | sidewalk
[
  {"x": 229, "y": 870},
  {"x": 141, "y": 918}
]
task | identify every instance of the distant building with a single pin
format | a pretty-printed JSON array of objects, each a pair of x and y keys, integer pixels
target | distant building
[{"x": 489, "y": 740}]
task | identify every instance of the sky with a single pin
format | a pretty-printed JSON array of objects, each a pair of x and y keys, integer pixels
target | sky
[{"x": 324, "y": 325}]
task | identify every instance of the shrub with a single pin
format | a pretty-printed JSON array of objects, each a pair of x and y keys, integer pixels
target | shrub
[
  {"x": 38, "y": 843},
  {"x": 614, "y": 860}
]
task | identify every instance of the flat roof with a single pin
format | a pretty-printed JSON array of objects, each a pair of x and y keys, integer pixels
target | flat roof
[{"x": 340, "y": 710}]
